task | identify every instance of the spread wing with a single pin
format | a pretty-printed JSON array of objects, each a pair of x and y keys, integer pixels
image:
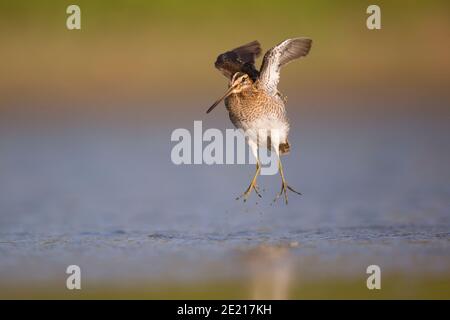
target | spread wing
[
  {"x": 278, "y": 56},
  {"x": 241, "y": 59}
]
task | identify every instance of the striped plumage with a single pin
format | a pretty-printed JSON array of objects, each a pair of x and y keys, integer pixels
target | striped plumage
[
  {"x": 253, "y": 101},
  {"x": 257, "y": 113}
]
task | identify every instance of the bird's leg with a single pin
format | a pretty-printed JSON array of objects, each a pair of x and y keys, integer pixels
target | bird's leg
[
  {"x": 284, "y": 185},
  {"x": 252, "y": 185}
]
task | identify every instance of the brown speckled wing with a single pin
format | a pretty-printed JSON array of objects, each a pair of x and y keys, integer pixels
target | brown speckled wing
[{"x": 241, "y": 59}]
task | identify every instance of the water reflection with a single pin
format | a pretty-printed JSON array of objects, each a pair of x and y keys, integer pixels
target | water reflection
[{"x": 270, "y": 271}]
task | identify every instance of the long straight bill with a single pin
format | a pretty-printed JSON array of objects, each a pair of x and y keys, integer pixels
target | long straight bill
[{"x": 220, "y": 99}]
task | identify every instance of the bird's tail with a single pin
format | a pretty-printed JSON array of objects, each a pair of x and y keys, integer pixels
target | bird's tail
[{"x": 285, "y": 147}]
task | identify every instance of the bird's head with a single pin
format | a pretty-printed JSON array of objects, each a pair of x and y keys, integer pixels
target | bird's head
[{"x": 238, "y": 83}]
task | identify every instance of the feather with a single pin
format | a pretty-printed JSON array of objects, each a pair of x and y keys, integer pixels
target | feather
[
  {"x": 277, "y": 57},
  {"x": 241, "y": 59}
]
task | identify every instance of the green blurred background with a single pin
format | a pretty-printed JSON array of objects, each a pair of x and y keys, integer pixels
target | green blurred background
[{"x": 160, "y": 51}]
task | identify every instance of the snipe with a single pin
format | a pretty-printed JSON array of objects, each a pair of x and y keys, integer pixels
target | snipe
[{"x": 254, "y": 103}]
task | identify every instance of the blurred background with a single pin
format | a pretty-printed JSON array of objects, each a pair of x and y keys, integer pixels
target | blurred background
[{"x": 86, "y": 177}]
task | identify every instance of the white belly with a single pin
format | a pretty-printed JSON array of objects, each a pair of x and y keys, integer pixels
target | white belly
[{"x": 260, "y": 129}]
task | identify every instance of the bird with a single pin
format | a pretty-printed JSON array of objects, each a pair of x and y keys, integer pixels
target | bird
[{"x": 254, "y": 102}]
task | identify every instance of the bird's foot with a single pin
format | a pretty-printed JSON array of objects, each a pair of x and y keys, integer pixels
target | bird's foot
[
  {"x": 247, "y": 192},
  {"x": 284, "y": 188}
]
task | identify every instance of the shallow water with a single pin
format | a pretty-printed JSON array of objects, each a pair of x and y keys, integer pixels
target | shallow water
[{"x": 112, "y": 202}]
